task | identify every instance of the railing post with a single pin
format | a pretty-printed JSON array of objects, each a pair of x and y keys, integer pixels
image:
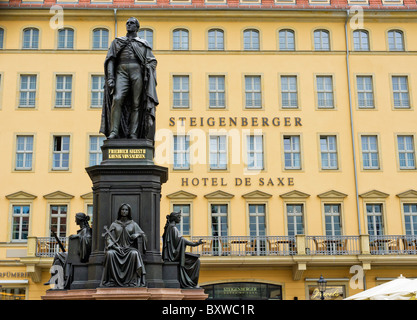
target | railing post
[
  {"x": 31, "y": 246},
  {"x": 364, "y": 241},
  {"x": 300, "y": 240}
]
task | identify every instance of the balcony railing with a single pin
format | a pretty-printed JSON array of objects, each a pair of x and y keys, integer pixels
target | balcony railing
[
  {"x": 332, "y": 245},
  {"x": 245, "y": 245},
  {"x": 278, "y": 245},
  {"x": 393, "y": 244},
  {"x": 48, "y": 246}
]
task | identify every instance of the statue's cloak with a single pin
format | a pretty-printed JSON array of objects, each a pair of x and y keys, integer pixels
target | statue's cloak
[{"x": 147, "y": 60}]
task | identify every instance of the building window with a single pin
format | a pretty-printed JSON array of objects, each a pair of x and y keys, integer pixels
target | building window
[
  {"x": 325, "y": 95},
  {"x": 286, "y": 40},
  {"x": 292, "y": 152},
  {"x": 253, "y": 95},
  {"x": 406, "y": 153},
  {"x": 24, "y": 152},
  {"x": 410, "y": 218},
  {"x": 400, "y": 92},
  {"x": 20, "y": 228},
  {"x": 332, "y": 219},
  {"x": 27, "y": 91},
  {"x": 395, "y": 40},
  {"x": 217, "y": 92},
  {"x": 63, "y": 91},
  {"x": 255, "y": 152},
  {"x": 218, "y": 152},
  {"x": 95, "y": 154},
  {"x": 251, "y": 39},
  {"x": 65, "y": 38},
  {"x": 361, "y": 40},
  {"x": 321, "y": 40},
  {"x": 328, "y": 151},
  {"x": 184, "y": 225},
  {"x": 30, "y": 38},
  {"x": 97, "y": 91},
  {"x": 100, "y": 39},
  {"x": 257, "y": 227},
  {"x": 90, "y": 211},
  {"x": 12, "y": 293},
  {"x": 374, "y": 216},
  {"x": 146, "y": 34},
  {"x": 295, "y": 213},
  {"x": 180, "y": 39},
  {"x": 1, "y": 38},
  {"x": 365, "y": 91},
  {"x": 370, "y": 157},
  {"x": 181, "y": 92},
  {"x": 215, "y": 39},
  {"x": 289, "y": 94},
  {"x": 59, "y": 220},
  {"x": 181, "y": 152},
  {"x": 219, "y": 220},
  {"x": 61, "y": 153}
]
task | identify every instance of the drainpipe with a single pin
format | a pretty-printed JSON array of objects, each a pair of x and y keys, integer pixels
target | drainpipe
[
  {"x": 351, "y": 122},
  {"x": 115, "y": 22},
  {"x": 353, "y": 133}
]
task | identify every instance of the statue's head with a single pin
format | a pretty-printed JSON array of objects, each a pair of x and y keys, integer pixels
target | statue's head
[
  {"x": 175, "y": 216},
  {"x": 81, "y": 219},
  {"x": 125, "y": 210},
  {"x": 132, "y": 24}
]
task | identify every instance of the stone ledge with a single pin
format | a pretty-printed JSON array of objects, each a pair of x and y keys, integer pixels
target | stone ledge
[{"x": 126, "y": 294}]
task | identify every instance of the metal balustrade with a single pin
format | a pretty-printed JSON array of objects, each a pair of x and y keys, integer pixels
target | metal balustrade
[
  {"x": 48, "y": 246},
  {"x": 245, "y": 245},
  {"x": 277, "y": 245},
  {"x": 391, "y": 244},
  {"x": 332, "y": 245}
]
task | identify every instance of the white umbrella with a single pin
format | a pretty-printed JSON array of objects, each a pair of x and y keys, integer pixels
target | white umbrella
[{"x": 398, "y": 289}]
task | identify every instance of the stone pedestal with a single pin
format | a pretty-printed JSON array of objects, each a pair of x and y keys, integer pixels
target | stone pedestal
[
  {"x": 127, "y": 174},
  {"x": 126, "y": 294}
]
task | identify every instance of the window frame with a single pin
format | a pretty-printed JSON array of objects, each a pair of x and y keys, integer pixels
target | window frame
[
  {"x": 31, "y": 38},
  {"x": 182, "y": 45},
  {"x": 183, "y": 153},
  {"x": 32, "y": 152},
  {"x": 59, "y": 33}
]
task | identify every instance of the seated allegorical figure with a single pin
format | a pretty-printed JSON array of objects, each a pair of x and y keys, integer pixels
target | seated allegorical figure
[
  {"x": 123, "y": 264},
  {"x": 61, "y": 258},
  {"x": 174, "y": 246}
]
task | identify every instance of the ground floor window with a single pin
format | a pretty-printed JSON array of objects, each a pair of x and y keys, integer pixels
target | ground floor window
[
  {"x": 333, "y": 292},
  {"x": 243, "y": 291},
  {"x": 9, "y": 293}
]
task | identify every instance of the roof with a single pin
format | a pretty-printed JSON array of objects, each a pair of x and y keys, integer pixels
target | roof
[{"x": 378, "y": 5}]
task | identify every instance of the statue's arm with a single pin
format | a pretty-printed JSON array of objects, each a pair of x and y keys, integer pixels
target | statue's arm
[{"x": 110, "y": 72}]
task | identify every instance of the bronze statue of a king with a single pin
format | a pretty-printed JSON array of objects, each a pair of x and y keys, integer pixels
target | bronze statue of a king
[{"x": 130, "y": 87}]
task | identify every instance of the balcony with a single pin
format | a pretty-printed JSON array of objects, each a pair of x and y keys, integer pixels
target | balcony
[{"x": 297, "y": 252}]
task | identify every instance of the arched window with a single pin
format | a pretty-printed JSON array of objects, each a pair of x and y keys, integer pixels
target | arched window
[
  {"x": 66, "y": 38},
  {"x": 30, "y": 38},
  {"x": 180, "y": 39},
  {"x": 146, "y": 34},
  {"x": 215, "y": 39},
  {"x": 286, "y": 39},
  {"x": 395, "y": 40},
  {"x": 100, "y": 39},
  {"x": 321, "y": 40},
  {"x": 251, "y": 39},
  {"x": 360, "y": 40}
]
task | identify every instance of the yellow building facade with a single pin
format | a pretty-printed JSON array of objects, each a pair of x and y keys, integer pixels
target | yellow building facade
[{"x": 289, "y": 135}]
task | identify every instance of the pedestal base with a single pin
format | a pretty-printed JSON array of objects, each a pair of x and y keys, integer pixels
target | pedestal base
[{"x": 127, "y": 294}]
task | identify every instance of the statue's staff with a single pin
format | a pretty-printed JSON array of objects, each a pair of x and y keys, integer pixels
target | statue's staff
[{"x": 59, "y": 241}]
